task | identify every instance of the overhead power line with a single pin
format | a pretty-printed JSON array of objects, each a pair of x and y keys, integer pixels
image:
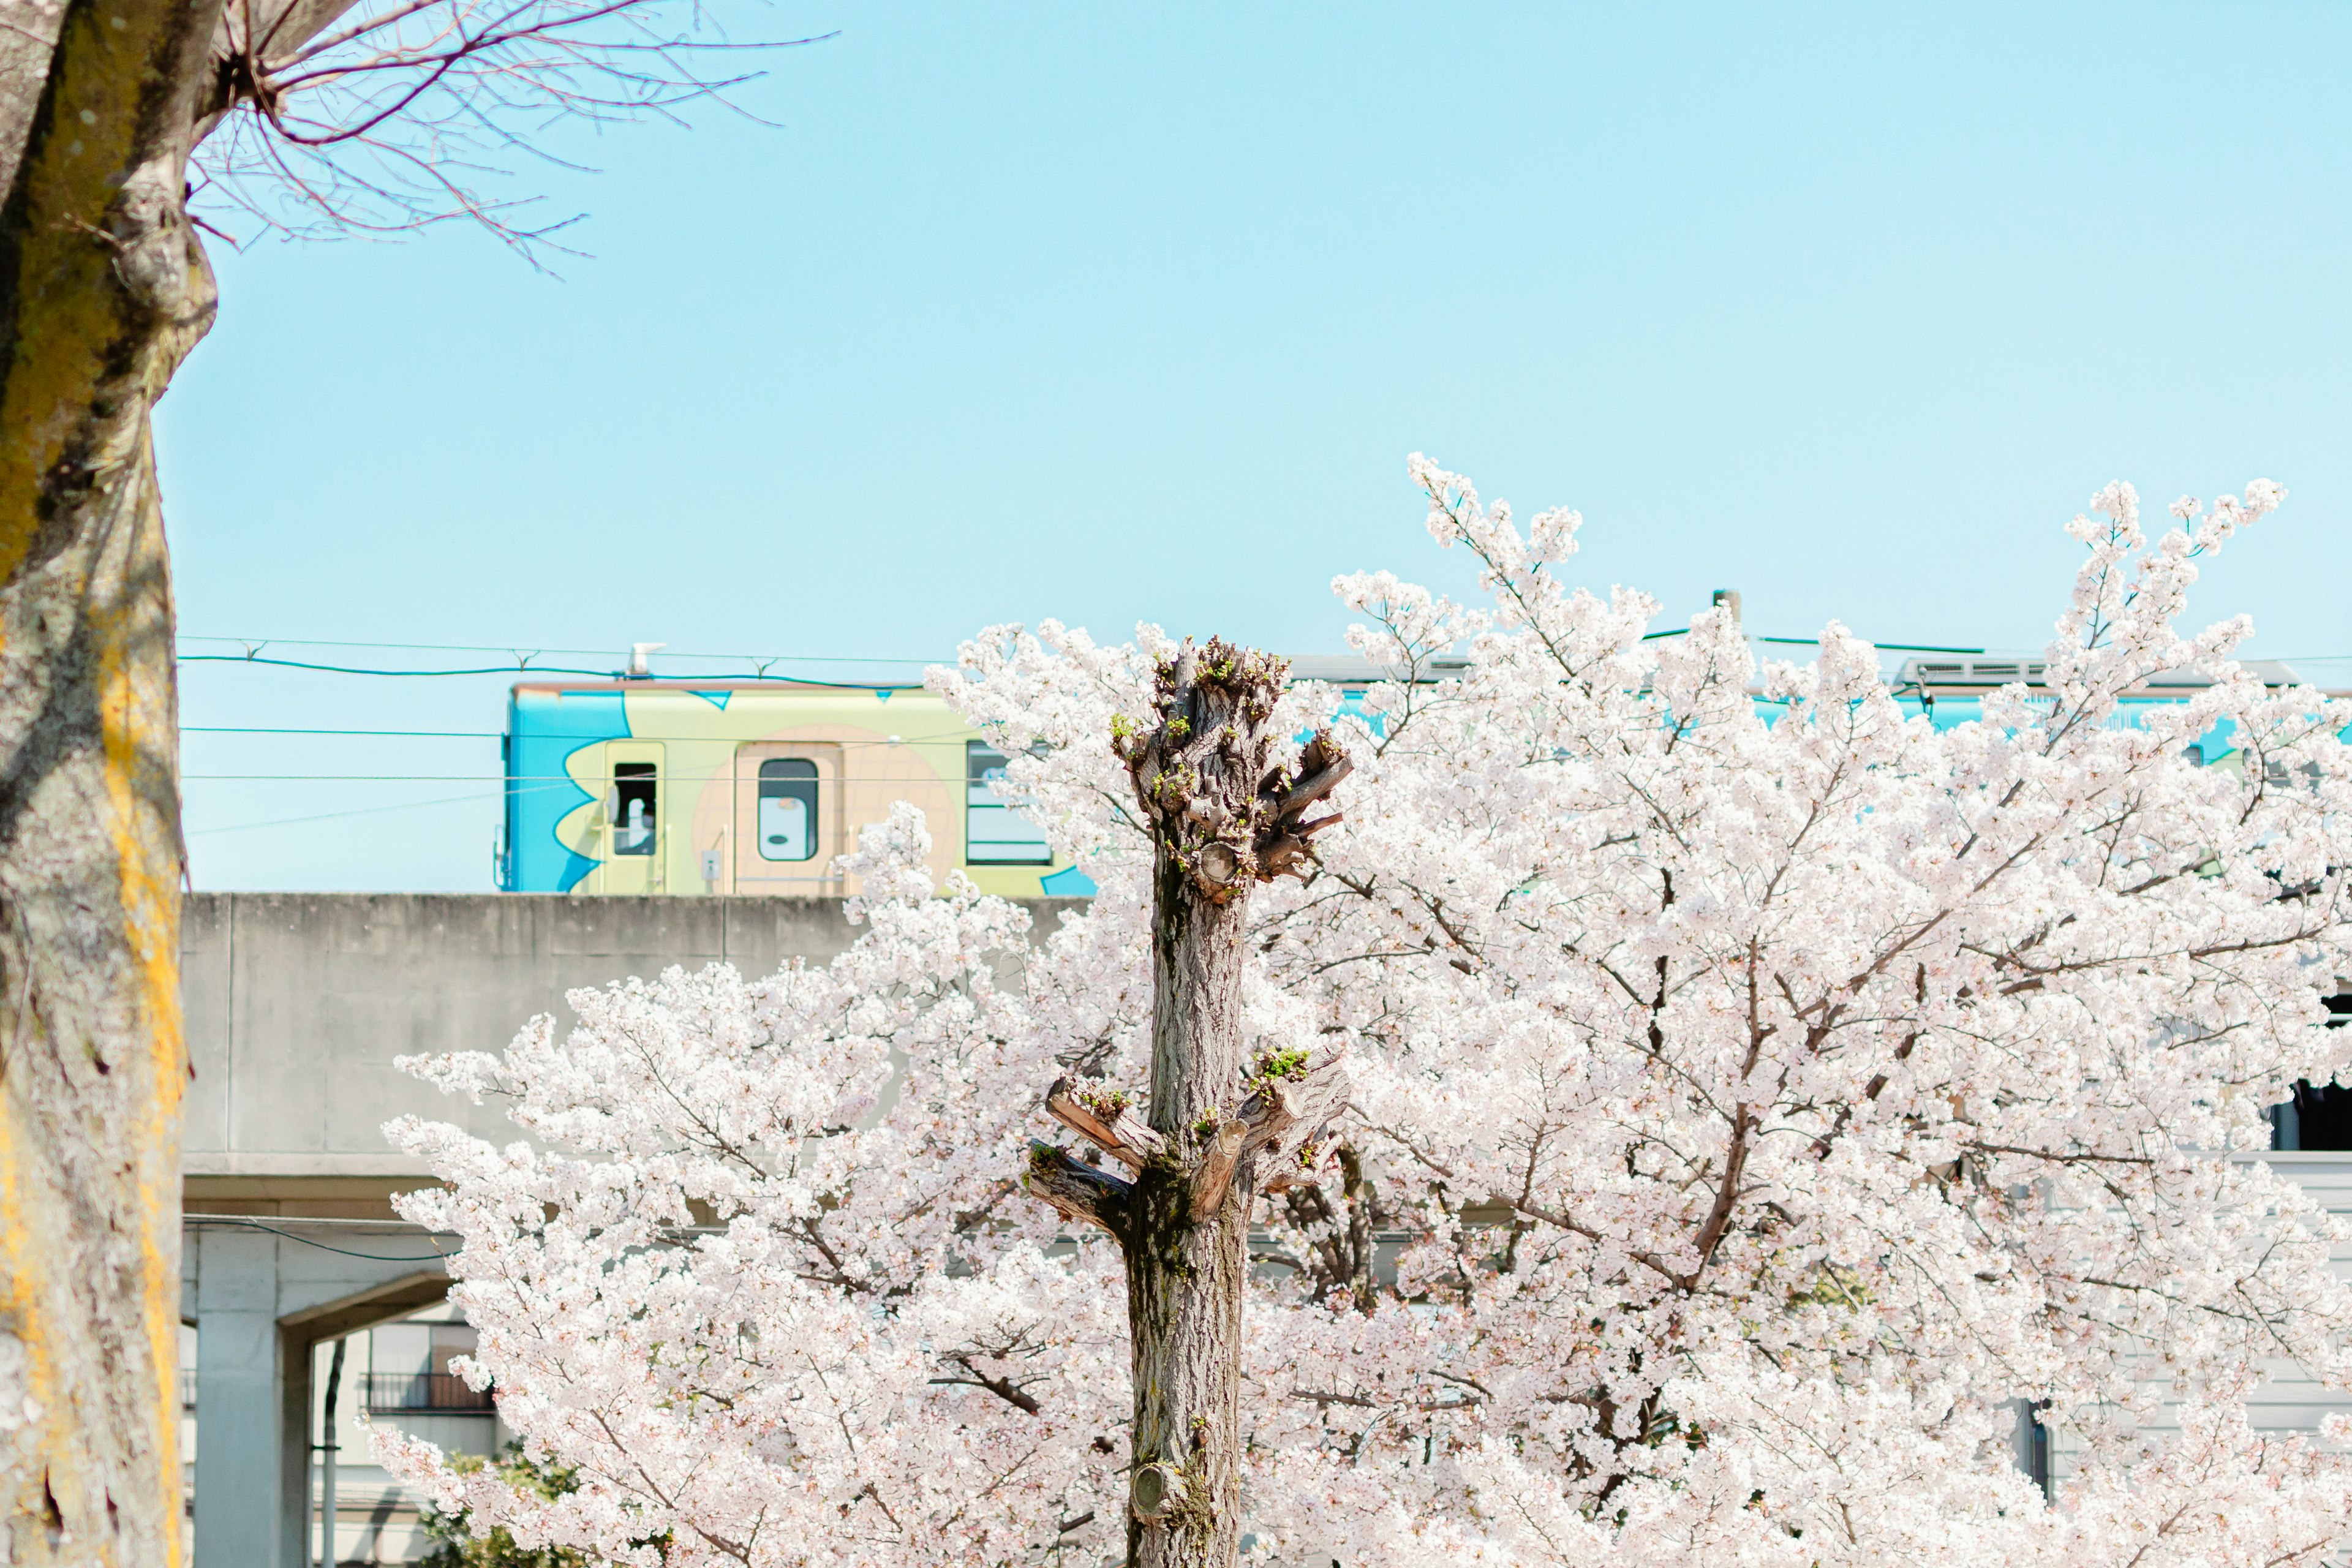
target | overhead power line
[
  {"x": 523, "y": 669},
  {"x": 551, "y": 739},
  {"x": 524, "y": 652},
  {"x": 479, "y": 778},
  {"x": 298, "y": 730},
  {"x": 526, "y": 670},
  {"x": 357, "y": 811},
  {"x": 1881, "y": 647},
  {"x": 239, "y": 1222}
]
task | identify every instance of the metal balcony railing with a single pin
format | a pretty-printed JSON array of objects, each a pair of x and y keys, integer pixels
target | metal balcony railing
[{"x": 420, "y": 1391}]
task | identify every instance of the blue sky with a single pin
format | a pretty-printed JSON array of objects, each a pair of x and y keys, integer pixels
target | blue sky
[{"x": 1109, "y": 313}]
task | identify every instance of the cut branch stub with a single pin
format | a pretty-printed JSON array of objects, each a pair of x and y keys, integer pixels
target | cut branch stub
[
  {"x": 1276, "y": 1122},
  {"x": 1215, "y": 1174},
  {"x": 1288, "y": 838},
  {"x": 1078, "y": 1190},
  {"x": 1206, "y": 779},
  {"x": 1287, "y": 1114},
  {"x": 1156, "y": 1490},
  {"x": 1136, "y": 1136},
  {"x": 1123, "y": 1135}
]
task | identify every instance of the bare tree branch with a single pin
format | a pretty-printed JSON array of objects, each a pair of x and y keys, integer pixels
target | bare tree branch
[{"x": 405, "y": 114}]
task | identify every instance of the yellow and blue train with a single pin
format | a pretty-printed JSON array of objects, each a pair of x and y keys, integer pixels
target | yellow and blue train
[{"x": 690, "y": 788}]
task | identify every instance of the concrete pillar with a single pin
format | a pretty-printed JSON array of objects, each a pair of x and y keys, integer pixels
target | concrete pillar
[
  {"x": 243, "y": 1469},
  {"x": 261, "y": 1301}
]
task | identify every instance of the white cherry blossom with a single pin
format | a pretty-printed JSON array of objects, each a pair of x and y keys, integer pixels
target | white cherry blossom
[{"x": 1760, "y": 1091}]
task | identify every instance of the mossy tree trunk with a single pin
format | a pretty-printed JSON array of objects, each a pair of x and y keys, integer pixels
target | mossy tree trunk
[
  {"x": 103, "y": 290},
  {"x": 1224, "y": 816},
  {"x": 1185, "y": 1276}
]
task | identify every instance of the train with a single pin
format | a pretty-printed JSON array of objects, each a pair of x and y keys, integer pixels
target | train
[
  {"x": 1951, "y": 690},
  {"x": 698, "y": 788},
  {"x": 675, "y": 788}
]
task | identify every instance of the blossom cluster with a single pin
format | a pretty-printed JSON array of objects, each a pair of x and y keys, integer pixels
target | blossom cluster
[{"x": 1760, "y": 1096}]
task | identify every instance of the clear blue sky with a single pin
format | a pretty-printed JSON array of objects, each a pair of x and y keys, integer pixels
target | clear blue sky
[{"x": 1109, "y": 313}]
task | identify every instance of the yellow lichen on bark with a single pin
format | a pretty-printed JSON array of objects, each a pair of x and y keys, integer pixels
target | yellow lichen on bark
[
  {"x": 70, "y": 312},
  {"x": 104, "y": 291},
  {"x": 28, "y": 1388},
  {"x": 145, "y": 852}
]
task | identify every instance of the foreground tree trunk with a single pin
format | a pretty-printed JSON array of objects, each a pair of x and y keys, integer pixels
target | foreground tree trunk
[
  {"x": 1185, "y": 1279},
  {"x": 1219, "y": 1129},
  {"x": 103, "y": 289}
]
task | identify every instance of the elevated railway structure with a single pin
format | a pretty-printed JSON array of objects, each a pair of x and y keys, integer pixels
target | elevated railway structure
[{"x": 297, "y": 1005}]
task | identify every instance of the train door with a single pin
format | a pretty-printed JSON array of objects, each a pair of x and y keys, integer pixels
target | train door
[
  {"x": 634, "y": 822},
  {"x": 787, "y": 816}
]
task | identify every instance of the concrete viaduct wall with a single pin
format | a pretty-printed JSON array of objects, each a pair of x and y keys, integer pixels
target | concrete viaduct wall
[{"x": 296, "y": 1005}]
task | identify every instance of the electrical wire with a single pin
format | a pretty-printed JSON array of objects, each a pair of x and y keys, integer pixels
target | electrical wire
[
  {"x": 357, "y": 811},
  {"x": 356, "y": 669},
  {"x": 257, "y": 643},
  {"x": 542, "y": 781},
  {"x": 209, "y": 1222},
  {"x": 340, "y": 1222},
  {"x": 497, "y": 734},
  {"x": 520, "y": 669},
  {"x": 279, "y": 730},
  {"x": 760, "y": 660},
  {"x": 1882, "y": 646}
]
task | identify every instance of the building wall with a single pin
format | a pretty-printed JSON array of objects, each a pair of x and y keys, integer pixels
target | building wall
[{"x": 297, "y": 1005}]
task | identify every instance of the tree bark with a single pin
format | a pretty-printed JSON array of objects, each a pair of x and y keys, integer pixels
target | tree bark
[
  {"x": 1223, "y": 817},
  {"x": 103, "y": 289},
  {"x": 1185, "y": 1279}
]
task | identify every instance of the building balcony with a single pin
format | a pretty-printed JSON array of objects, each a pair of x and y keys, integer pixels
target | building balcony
[{"x": 421, "y": 1391}]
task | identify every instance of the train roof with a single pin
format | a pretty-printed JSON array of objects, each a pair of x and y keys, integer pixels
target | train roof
[
  {"x": 732, "y": 683},
  {"x": 1984, "y": 672},
  {"x": 1937, "y": 676}
]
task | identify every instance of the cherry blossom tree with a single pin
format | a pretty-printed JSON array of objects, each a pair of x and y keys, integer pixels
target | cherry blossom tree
[{"x": 1677, "y": 1116}]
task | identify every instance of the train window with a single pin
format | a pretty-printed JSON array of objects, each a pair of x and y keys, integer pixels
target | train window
[
  {"x": 632, "y": 805},
  {"x": 787, "y": 816},
  {"x": 995, "y": 834}
]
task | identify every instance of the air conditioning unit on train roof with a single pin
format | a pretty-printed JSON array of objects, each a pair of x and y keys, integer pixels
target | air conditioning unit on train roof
[
  {"x": 1970, "y": 671},
  {"x": 1990, "y": 672},
  {"x": 2269, "y": 671},
  {"x": 1350, "y": 669}
]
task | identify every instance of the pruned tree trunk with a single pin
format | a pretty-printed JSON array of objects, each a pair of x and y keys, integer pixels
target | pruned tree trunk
[
  {"x": 103, "y": 289},
  {"x": 1184, "y": 1277},
  {"x": 1223, "y": 817}
]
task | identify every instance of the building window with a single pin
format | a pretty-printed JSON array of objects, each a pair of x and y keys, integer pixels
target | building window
[
  {"x": 632, "y": 805},
  {"x": 993, "y": 833},
  {"x": 408, "y": 1369},
  {"x": 2319, "y": 1115},
  {"x": 787, "y": 818}
]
